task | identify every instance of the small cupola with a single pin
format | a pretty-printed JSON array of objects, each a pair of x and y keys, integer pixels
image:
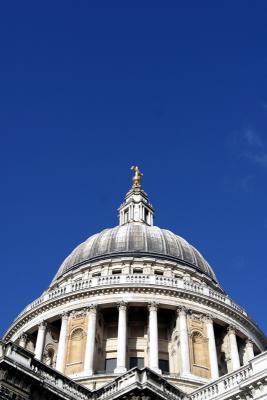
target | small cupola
[{"x": 136, "y": 207}]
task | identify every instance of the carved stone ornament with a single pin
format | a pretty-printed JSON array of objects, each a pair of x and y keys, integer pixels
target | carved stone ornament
[
  {"x": 187, "y": 278},
  {"x": 76, "y": 314},
  {"x": 65, "y": 315},
  {"x": 92, "y": 308},
  {"x": 196, "y": 316},
  {"x": 43, "y": 325},
  {"x": 208, "y": 318},
  {"x": 182, "y": 310},
  {"x": 153, "y": 306},
  {"x": 231, "y": 329},
  {"x": 122, "y": 305},
  {"x": 249, "y": 342},
  {"x": 23, "y": 337}
]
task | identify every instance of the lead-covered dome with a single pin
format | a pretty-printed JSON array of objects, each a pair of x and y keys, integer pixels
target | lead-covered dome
[{"x": 136, "y": 239}]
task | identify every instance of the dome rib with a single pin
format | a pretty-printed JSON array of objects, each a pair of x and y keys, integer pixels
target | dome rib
[{"x": 136, "y": 239}]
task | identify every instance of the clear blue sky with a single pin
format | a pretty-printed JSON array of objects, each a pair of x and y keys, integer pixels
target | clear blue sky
[{"x": 90, "y": 88}]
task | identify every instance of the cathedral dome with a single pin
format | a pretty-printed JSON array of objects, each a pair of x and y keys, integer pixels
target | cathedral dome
[
  {"x": 136, "y": 239},
  {"x": 135, "y": 295}
]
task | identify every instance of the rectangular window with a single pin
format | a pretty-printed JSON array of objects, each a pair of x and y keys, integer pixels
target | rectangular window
[
  {"x": 137, "y": 271},
  {"x": 158, "y": 272},
  {"x": 136, "y": 362},
  {"x": 116, "y": 271},
  {"x": 164, "y": 366},
  {"x": 110, "y": 364}
]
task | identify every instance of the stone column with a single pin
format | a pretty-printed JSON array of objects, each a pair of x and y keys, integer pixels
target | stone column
[
  {"x": 153, "y": 337},
  {"x": 90, "y": 341},
  {"x": 249, "y": 349},
  {"x": 214, "y": 370},
  {"x": 23, "y": 340},
  {"x": 61, "y": 350},
  {"x": 233, "y": 348},
  {"x": 184, "y": 341},
  {"x": 39, "y": 347},
  {"x": 121, "y": 339}
]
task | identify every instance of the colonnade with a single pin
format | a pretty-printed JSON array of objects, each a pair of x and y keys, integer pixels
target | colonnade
[{"x": 153, "y": 346}]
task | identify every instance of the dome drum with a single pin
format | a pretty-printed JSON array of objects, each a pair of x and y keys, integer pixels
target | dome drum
[{"x": 135, "y": 308}]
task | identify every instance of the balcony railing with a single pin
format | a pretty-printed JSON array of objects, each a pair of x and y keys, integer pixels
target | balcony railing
[
  {"x": 223, "y": 384},
  {"x": 133, "y": 280},
  {"x": 48, "y": 376}
]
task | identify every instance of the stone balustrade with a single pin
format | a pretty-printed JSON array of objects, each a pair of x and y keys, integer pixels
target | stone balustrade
[
  {"x": 225, "y": 386},
  {"x": 246, "y": 382},
  {"x": 134, "y": 279},
  {"x": 47, "y": 375},
  {"x": 57, "y": 292}
]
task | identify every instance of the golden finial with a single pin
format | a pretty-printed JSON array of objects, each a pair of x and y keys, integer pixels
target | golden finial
[{"x": 137, "y": 177}]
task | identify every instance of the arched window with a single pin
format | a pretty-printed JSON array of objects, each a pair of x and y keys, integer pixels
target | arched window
[{"x": 76, "y": 346}]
